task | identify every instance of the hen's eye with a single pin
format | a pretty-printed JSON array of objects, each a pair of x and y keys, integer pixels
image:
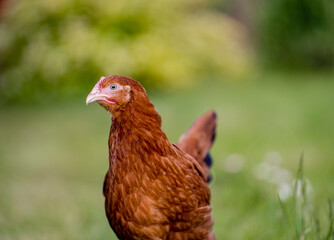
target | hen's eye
[{"x": 113, "y": 87}]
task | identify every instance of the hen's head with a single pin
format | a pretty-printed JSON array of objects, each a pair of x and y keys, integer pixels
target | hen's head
[{"x": 116, "y": 93}]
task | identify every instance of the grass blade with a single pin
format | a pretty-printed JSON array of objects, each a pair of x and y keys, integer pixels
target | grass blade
[{"x": 331, "y": 221}]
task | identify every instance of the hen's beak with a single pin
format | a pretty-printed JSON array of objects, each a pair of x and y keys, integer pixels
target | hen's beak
[
  {"x": 98, "y": 95},
  {"x": 95, "y": 95}
]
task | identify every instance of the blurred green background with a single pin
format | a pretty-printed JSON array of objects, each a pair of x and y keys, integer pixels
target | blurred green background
[{"x": 266, "y": 67}]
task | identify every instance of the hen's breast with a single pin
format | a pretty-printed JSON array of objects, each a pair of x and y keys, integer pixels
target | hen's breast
[
  {"x": 131, "y": 206},
  {"x": 150, "y": 195}
]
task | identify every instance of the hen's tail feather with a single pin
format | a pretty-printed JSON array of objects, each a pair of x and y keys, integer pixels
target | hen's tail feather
[
  {"x": 198, "y": 140},
  {"x": 208, "y": 160}
]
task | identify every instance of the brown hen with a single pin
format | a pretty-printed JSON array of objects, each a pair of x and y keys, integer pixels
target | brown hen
[{"x": 153, "y": 189}]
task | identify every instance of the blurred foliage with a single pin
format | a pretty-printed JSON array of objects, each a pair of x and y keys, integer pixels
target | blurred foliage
[
  {"x": 297, "y": 34},
  {"x": 52, "y": 47}
]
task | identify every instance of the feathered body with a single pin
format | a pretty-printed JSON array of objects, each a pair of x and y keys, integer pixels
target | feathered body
[{"x": 153, "y": 189}]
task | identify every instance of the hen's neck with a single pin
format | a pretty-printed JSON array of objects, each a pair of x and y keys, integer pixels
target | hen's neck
[{"x": 137, "y": 131}]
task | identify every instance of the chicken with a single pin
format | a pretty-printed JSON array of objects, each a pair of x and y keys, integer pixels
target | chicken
[{"x": 153, "y": 189}]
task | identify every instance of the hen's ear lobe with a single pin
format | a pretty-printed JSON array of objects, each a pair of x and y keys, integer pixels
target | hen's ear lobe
[{"x": 127, "y": 88}]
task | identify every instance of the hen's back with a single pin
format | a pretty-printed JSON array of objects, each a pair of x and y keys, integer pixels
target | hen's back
[{"x": 198, "y": 140}]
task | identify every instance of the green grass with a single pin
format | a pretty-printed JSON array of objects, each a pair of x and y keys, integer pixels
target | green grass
[
  {"x": 301, "y": 215},
  {"x": 53, "y": 158}
]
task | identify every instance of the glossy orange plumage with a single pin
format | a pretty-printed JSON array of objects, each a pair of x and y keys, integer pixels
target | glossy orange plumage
[{"x": 153, "y": 189}]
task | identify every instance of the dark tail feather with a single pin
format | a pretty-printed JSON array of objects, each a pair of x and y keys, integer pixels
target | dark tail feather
[
  {"x": 208, "y": 161},
  {"x": 198, "y": 140}
]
